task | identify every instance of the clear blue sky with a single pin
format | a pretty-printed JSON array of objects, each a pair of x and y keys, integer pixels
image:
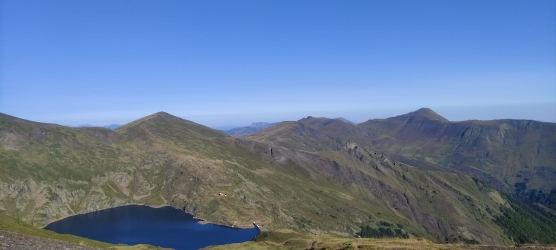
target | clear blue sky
[{"x": 224, "y": 63}]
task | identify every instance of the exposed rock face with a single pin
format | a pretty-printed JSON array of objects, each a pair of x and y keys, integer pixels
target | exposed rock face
[{"x": 41, "y": 202}]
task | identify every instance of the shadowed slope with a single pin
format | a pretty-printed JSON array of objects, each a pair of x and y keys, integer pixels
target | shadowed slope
[{"x": 504, "y": 152}]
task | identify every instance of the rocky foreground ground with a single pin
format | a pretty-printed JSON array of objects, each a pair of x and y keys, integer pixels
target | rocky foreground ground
[{"x": 15, "y": 241}]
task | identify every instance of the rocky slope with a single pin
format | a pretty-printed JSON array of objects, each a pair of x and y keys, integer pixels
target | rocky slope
[{"x": 503, "y": 152}]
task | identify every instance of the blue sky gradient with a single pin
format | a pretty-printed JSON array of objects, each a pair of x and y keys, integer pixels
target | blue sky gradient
[{"x": 225, "y": 63}]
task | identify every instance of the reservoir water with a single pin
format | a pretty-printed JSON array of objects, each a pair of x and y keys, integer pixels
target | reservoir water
[{"x": 165, "y": 227}]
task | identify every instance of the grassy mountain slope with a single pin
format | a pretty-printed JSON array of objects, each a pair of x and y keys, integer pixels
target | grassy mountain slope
[
  {"x": 331, "y": 132},
  {"x": 396, "y": 192},
  {"x": 288, "y": 239},
  {"x": 504, "y": 152},
  {"x": 11, "y": 224},
  {"x": 8, "y": 223},
  {"x": 293, "y": 175}
]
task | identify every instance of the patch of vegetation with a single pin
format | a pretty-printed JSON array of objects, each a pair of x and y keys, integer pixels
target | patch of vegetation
[
  {"x": 279, "y": 236},
  {"x": 483, "y": 185},
  {"x": 531, "y": 196},
  {"x": 287, "y": 239},
  {"x": 527, "y": 224},
  {"x": 383, "y": 230},
  {"x": 302, "y": 222},
  {"x": 470, "y": 241}
]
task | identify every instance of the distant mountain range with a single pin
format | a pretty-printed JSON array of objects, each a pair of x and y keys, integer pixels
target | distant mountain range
[
  {"x": 111, "y": 126},
  {"x": 415, "y": 174},
  {"x": 256, "y": 126}
]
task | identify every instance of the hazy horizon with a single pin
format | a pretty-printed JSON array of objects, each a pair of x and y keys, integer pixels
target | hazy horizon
[
  {"x": 233, "y": 63},
  {"x": 527, "y": 112}
]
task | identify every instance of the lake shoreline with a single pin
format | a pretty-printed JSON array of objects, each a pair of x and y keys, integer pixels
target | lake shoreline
[
  {"x": 160, "y": 225},
  {"x": 199, "y": 220}
]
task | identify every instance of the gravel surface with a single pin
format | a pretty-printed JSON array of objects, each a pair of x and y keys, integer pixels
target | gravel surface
[{"x": 10, "y": 240}]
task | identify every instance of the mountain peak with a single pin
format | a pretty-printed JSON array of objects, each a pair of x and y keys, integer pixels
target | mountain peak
[
  {"x": 161, "y": 114},
  {"x": 166, "y": 124},
  {"x": 426, "y": 111},
  {"x": 423, "y": 114},
  {"x": 428, "y": 114}
]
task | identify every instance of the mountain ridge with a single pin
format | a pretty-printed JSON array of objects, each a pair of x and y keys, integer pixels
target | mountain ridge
[
  {"x": 254, "y": 127},
  {"x": 474, "y": 143},
  {"x": 313, "y": 175}
]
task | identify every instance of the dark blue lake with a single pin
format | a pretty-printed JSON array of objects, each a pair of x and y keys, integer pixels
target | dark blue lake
[{"x": 135, "y": 224}]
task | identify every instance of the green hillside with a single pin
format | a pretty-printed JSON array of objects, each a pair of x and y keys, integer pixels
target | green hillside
[
  {"x": 11, "y": 224},
  {"x": 8, "y": 223}
]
